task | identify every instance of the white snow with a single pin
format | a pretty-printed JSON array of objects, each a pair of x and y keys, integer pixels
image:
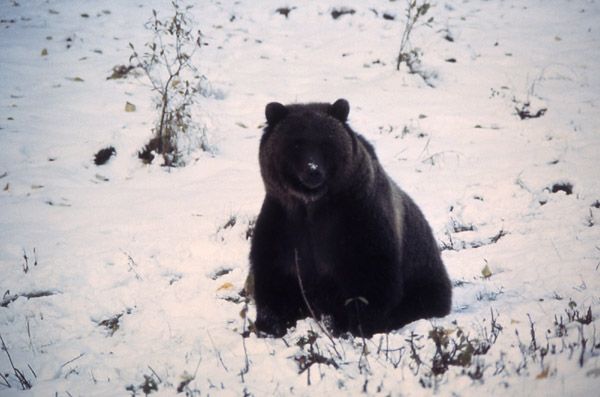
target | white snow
[{"x": 149, "y": 247}]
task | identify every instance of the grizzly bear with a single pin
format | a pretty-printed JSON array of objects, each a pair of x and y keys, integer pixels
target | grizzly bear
[{"x": 336, "y": 238}]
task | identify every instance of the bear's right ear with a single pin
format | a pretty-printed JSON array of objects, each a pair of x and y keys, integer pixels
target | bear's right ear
[{"x": 275, "y": 112}]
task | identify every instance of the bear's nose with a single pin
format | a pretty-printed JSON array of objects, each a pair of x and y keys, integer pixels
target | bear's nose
[{"x": 312, "y": 176}]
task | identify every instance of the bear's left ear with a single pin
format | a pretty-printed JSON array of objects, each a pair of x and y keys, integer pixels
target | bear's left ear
[
  {"x": 275, "y": 112},
  {"x": 340, "y": 110}
]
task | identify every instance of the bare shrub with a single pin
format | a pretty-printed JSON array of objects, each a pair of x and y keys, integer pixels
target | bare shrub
[{"x": 167, "y": 64}]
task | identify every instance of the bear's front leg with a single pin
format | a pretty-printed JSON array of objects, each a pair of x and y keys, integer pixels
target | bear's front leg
[
  {"x": 365, "y": 318},
  {"x": 369, "y": 299},
  {"x": 278, "y": 304},
  {"x": 268, "y": 322}
]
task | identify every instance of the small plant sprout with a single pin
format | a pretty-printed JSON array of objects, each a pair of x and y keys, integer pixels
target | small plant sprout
[
  {"x": 167, "y": 64},
  {"x": 407, "y": 54}
]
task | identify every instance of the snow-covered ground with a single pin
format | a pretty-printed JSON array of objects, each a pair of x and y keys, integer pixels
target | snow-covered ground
[{"x": 132, "y": 271}]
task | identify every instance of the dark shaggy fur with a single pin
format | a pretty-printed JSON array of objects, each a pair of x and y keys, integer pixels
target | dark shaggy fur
[{"x": 336, "y": 232}]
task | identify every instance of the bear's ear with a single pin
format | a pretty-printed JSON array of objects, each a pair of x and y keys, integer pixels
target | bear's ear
[
  {"x": 340, "y": 110},
  {"x": 275, "y": 112}
]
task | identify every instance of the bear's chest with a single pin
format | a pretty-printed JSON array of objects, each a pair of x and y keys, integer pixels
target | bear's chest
[{"x": 319, "y": 246}]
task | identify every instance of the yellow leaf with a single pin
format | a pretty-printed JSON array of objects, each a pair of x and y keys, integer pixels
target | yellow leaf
[
  {"x": 543, "y": 374},
  {"x": 486, "y": 272},
  {"x": 129, "y": 107},
  {"x": 225, "y": 286}
]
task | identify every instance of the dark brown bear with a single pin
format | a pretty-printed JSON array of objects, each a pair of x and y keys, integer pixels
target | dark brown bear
[{"x": 336, "y": 237}]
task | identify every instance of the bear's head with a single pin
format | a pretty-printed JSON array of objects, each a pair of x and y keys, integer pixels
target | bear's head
[{"x": 306, "y": 150}]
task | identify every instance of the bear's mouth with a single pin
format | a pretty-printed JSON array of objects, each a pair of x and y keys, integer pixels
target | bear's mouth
[{"x": 308, "y": 191}]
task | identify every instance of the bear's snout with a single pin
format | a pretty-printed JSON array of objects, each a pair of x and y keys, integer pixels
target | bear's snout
[{"x": 312, "y": 176}]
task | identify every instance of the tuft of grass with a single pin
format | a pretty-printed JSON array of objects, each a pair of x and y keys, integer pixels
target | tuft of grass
[
  {"x": 565, "y": 187},
  {"x": 111, "y": 324},
  {"x": 573, "y": 314},
  {"x": 21, "y": 378},
  {"x": 338, "y": 12},
  {"x": 103, "y": 155},
  {"x": 524, "y": 111},
  {"x": 285, "y": 11},
  {"x": 148, "y": 386}
]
